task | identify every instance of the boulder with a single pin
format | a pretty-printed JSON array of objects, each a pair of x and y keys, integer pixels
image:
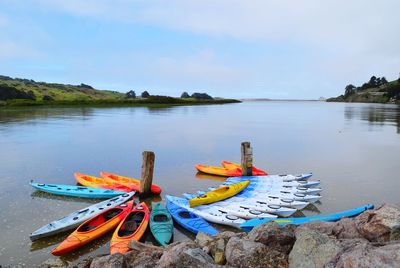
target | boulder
[
  {"x": 116, "y": 260},
  {"x": 376, "y": 225},
  {"x": 246, "y": 253},
  {"x": 366, "y": 255},
  {"x": 312, "y": 249},
  {"x": 54, "y": 263},
  {"x": 85, "y": 263},
  {"x": 346, "y": 228},
  {"x": 273, "y": 236},
  {"x": 395, "y": 233},
  {"x": 143, "y": 255},
  {"x": 185, "y": 254}
]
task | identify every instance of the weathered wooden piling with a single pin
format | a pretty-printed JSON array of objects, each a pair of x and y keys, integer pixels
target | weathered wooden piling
[
  {"x": 247, "y": 159},
  {"x": 146, "y": 179}
]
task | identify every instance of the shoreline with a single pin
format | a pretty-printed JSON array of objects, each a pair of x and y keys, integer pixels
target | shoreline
[{"x": 366, "y": 240}]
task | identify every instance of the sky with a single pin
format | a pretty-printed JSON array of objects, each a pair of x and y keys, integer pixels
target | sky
[{"x": 277, "y": 49}]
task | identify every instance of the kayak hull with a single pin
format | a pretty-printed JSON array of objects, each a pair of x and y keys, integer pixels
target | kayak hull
[
  {"x": 123, "y": 234},
  {"x": 249, "y": 225},
  {"x": 75, "y": 191},
  {"x": 189, "y": 220},
  {"x": 127, "y": 181},
  {"x": 218, "y": 194},
  {"x": 92, "y": 181},
  {"x": 161, "y": 224}
]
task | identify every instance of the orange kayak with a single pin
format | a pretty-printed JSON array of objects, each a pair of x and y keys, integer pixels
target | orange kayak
[
  {"x": 232, "y": 165},
  {"x": 92, "y": 181},
  {"x": 220, "y": 171},
  {"x": 132, "y": 227},
  {"x": 130, "y": 182},
  {"x": 94, "y": 228}
]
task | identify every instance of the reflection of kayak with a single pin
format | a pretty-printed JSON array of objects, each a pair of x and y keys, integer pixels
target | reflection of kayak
[
  {"x": 248, "y": 225},
  {"x": 189, "y": 220},
  {"x": 218, "y": 194},
  {"x": 232, "y": 165},
  {"x": 130, "y": 182},
  {"x": 74, "y": 219},
  {"x": 161, "y": 224},
  {"x": 76, "y": 191},
  {"x": 132, "y": 227},
  {"x": 92, "y": 181},
  {"x": 93, "y": 228}
]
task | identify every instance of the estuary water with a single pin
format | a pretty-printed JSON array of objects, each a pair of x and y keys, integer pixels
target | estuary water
[{"x": 354, "y": 149}]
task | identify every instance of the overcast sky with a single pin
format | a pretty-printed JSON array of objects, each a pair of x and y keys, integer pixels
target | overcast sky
[{"x": 242, "y": 49}]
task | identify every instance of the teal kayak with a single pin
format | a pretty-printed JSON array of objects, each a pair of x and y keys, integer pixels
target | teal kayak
[
  {"x": 250, "y": 224},
  {"x": 161, "y": 224},
  {"x": 76, "y": 191}
]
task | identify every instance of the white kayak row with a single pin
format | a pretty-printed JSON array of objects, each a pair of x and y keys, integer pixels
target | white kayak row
[{"x": 74, "y": 219}]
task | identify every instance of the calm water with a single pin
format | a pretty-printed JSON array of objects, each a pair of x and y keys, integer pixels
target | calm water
[{"x": 352, "y": 148}]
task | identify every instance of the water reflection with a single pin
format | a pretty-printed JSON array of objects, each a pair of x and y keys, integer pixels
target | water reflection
[
  {"x": 375, "y": 115},
  {"x": 204, "y": 176}
]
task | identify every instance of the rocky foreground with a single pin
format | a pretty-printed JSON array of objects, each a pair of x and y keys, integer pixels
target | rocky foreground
[{"x": 370, "y": 240}]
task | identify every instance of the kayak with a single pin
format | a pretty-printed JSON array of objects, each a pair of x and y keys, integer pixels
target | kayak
[
  {"x": 93, "y": 228},
  {"x": 268, "y": 188},
  {"x": 132, "y": 227},
  {"x": 249, "y": 225},
  {"x": 74, "y": 219},
  {"x": 189, "y": 220},
  {"x": 213, "y": 214},
  {"x": 276, "y": 180},
  {"x": 161, "y": 224},
  {"x": 130, "y": 182},
  {"x": 76, "y": 191},
  {"x": 219, "y": 171},
  {"x": 218, "y": 194},
  {"x": 232, "y": 165},
  {"x": 92, "y": 181}
]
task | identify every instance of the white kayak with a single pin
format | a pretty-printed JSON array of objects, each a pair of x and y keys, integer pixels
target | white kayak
[
  {"x": 213, "y": 214},
  {"x": 267, "y": 180},
  {"x": 74, "y": 219},
  {"x": 270, "y": 188}
]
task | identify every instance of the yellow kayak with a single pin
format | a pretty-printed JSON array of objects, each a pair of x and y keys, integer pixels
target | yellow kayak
[
  {"x": 219, "y": 194},
  {"x": 220, "y": 171}
]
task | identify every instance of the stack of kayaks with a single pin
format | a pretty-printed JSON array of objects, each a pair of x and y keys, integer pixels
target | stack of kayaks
[
  {"x": 129, "y": 182},
  {"x": 265, "y": 197},
  {"x": 228, "y": 169}
]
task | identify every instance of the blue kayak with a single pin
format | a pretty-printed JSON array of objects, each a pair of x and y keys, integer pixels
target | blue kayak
[
  {"x": 189, "y": 220},
  {"x": 76, "y": 191},
  {"x": 250, "y": 224}
]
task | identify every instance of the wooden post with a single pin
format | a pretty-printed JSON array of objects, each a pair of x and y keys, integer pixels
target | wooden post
[
  {"x": 247, "y": 159},
  {"x": 147, "y": 173}
]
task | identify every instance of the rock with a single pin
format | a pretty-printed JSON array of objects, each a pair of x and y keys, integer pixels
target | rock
[
  {"x": 312, "y": 249},
  {"x": 346, "y": 228},
  {"x": 218, "y": 252},
  {"x": 366, "y": 255},
  {"x": 395, "y": 233},
  {"x": 54, "y": 263},
  {"x": 185, "y": 254},
  {"x": 376, "y": 225},
  {"x": 203, "y": 239},
  {"x": 273, "y": 236},
  {"x": 143, "y": 255},
  {"x": 116, "y": 260},
  {"x": 82, "y": 264},
  {"x": 324, "y": 227},
  {"x": 246, "y": 253}
]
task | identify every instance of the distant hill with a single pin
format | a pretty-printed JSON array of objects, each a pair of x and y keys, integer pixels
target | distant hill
[
  {"x": 16, "y": 88},
  {"x": 24, "y": 92},
  {"x": 376, "y": 90}
]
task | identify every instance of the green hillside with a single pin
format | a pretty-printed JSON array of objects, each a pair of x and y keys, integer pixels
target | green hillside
[
  {"x": 25, "y": 92},
  {"x": 376, "y": 90},
  {"x": 16, "y": 88}
]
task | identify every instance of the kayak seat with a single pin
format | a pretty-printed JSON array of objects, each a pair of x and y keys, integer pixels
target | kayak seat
[
  {"x": 186, "y": 215},
  {"x": 160, "y": 218},
  {"x": 111, "y": 214},
  {"x": 128, "y": 228},
  {"x": 87, "y": 228}
]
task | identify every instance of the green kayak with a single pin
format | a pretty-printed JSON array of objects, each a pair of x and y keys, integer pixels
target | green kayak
[{"x": 161, "y": 224}]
